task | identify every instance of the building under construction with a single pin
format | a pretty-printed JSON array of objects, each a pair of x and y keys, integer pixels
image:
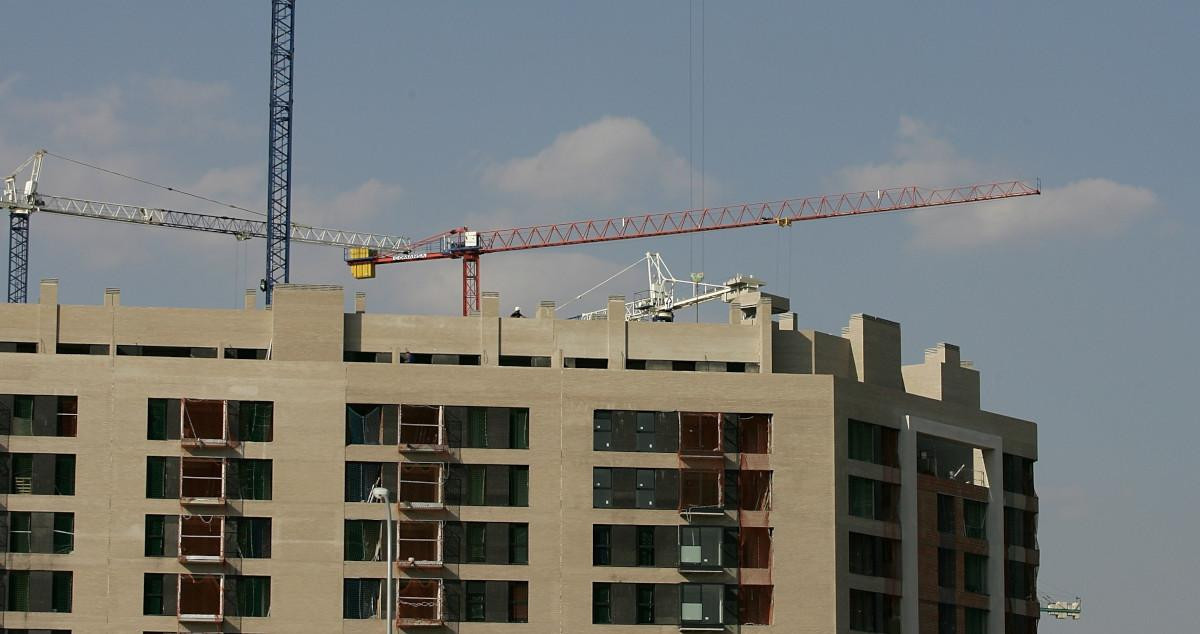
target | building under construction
[{"x": 171, "y": 470}]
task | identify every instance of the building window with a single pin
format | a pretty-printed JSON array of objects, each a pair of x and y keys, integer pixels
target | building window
[
  {"x": 645, "y": 545},
  {"x": 873, "y": 556},
  {"x": 975, "y": 573},
  {"x": 364, "y": 540},
  {"x": 153, "y": 594},
  {"x": 645, "y": 603},
  {"x": 253, "y": 596},
  {"x": 601, "y": 603},
  {"x": 976, "y": 621},
  {"x": 68, "y": 416},
  {"x": 518, "y": 428},
  {"x": 518, "y": 543},
  {"x": 518, "y": 486},
  {"x": 946, "y": 514},
  {"x": 873, "y": 499},
  {"x": 476, "y": 602},
  {"x": 946, "y": 572},
  {"x": 60, "y": 591},
  {"x": 27, "y": 591},
  {"x": 476, "y": 542},
  {"x": 476, "y": 485},
  {"x": 156, "y": 535},
  {"x": 360, "y": 598},
  {"x": 1020, "y": 580},
  {"x": 64, "y": 533},
  {"x": 873, "y": 443},
  {"x": 477, "y": 428},
  {"x": 1018, "y": 474},
  {"x": 975, "y": 518},
  {"x": 602, "y": 488},
  {"x": 364, "y": 424},
  {"x": 255, "y": 421},
  {"x": 518, "y": 602},
  {"x": 947, "y": 618},
  {"x": 253, "y": 537},
  {"x": 18, "y": 591},
  {"x": 64, "y": 474},
  {"x": 156, "y": 419},
  {"x": 645, "y": 431},
  {"x": 874, "y": 612},
  {"x": 254, "y": 479},
  {"x": 601, "y": 545},
  {"x": 644, "y": 494},
  {"x": 701, "y": 604},
  {"x": 20, "y": 532},
  {"x": 22, "y": 415},
  {"x": 602, "y": 430}
]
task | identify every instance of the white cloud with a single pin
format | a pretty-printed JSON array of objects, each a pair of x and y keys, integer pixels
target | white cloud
[
  {"x": 605, "y": 161},
  {"x": 1089, "y": 206},
  {"x": 175, "y": 92}
]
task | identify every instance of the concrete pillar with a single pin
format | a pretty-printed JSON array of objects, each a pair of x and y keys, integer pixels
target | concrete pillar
[
  {"x": 618, "y": 338},
  {"x": 545, "y": 310},
  {"x": 249, "y": 300},
  {"x": 360, "y": 302},
  {"x": 48, "y": 318},
  {"x": 762, "y": 320},
  {"x": 489, "y": 328},
  {"x": 875, "y": 343},
  {"x": 787, "y": 322},
  {"x": 112, "y": 297}
]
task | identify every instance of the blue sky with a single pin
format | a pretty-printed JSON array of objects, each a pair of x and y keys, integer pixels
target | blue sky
[{"x": 1078, "y": 306}]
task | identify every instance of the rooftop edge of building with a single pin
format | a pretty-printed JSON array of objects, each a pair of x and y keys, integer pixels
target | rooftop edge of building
[{"x": 308, "y": 323}]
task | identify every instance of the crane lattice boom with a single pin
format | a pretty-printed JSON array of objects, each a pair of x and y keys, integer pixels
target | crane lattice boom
[{"x": 469, "y": 245}]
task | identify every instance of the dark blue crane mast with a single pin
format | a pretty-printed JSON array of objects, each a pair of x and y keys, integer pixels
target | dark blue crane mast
[{"x": 279, "y": 151}]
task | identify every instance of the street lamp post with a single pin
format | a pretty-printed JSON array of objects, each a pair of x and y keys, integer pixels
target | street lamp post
[{"x": 381, "y": 494}]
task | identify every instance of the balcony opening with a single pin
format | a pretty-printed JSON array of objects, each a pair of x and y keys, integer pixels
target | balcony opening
[
  {"x": 419, "y": 544},
  {"x": 422, "y": 428},
  {"x": 202, "y": 481},
  {"x": 754, "y": 605},
  {"x": 754, "y": 490},
  {"x": 200, "y": 598},
  {"x": 700, "y": 492},
  {"x": 754, "y": 433},
  {"x": 755, "y": 547},
  {"x": 700, "y": 435},
  {"x": 203, "y": 423},
  {"x": 201, "y": 539},
  {"x": 949, "y": 460},
  {"x": 419, "y": 602},
  {"x": 421, "y": 485}
]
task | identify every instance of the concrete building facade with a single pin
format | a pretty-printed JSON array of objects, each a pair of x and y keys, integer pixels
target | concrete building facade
[{"x": 208, "y": 470}]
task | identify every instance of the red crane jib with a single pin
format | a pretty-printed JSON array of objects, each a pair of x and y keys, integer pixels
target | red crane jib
[{"x": 469, "y": 245}]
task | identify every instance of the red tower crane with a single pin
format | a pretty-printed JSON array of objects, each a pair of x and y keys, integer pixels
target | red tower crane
[{"x": 467, "y": 245}]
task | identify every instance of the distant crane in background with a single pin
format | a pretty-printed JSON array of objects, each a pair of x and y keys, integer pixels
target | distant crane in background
[
  {"x": 23, "y": 203},
  {"x": 278, "y": 227},
  {"x": 463, "y": 244},
  {"x": 1061, "y": 609}
]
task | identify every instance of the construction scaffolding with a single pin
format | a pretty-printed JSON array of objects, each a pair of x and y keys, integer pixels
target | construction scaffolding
[
  {"x": 200, "y": 598},
  {"x": 419, "y": 544},
  {"x": 422, "y": 428},
  {"x": 420, "y": 602},
  {"x": 204, "y": 423},
  {"x": 421, "y": 485},
  {"x": 201, "y": 539},
  {"x": 202, "y": 481}
]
